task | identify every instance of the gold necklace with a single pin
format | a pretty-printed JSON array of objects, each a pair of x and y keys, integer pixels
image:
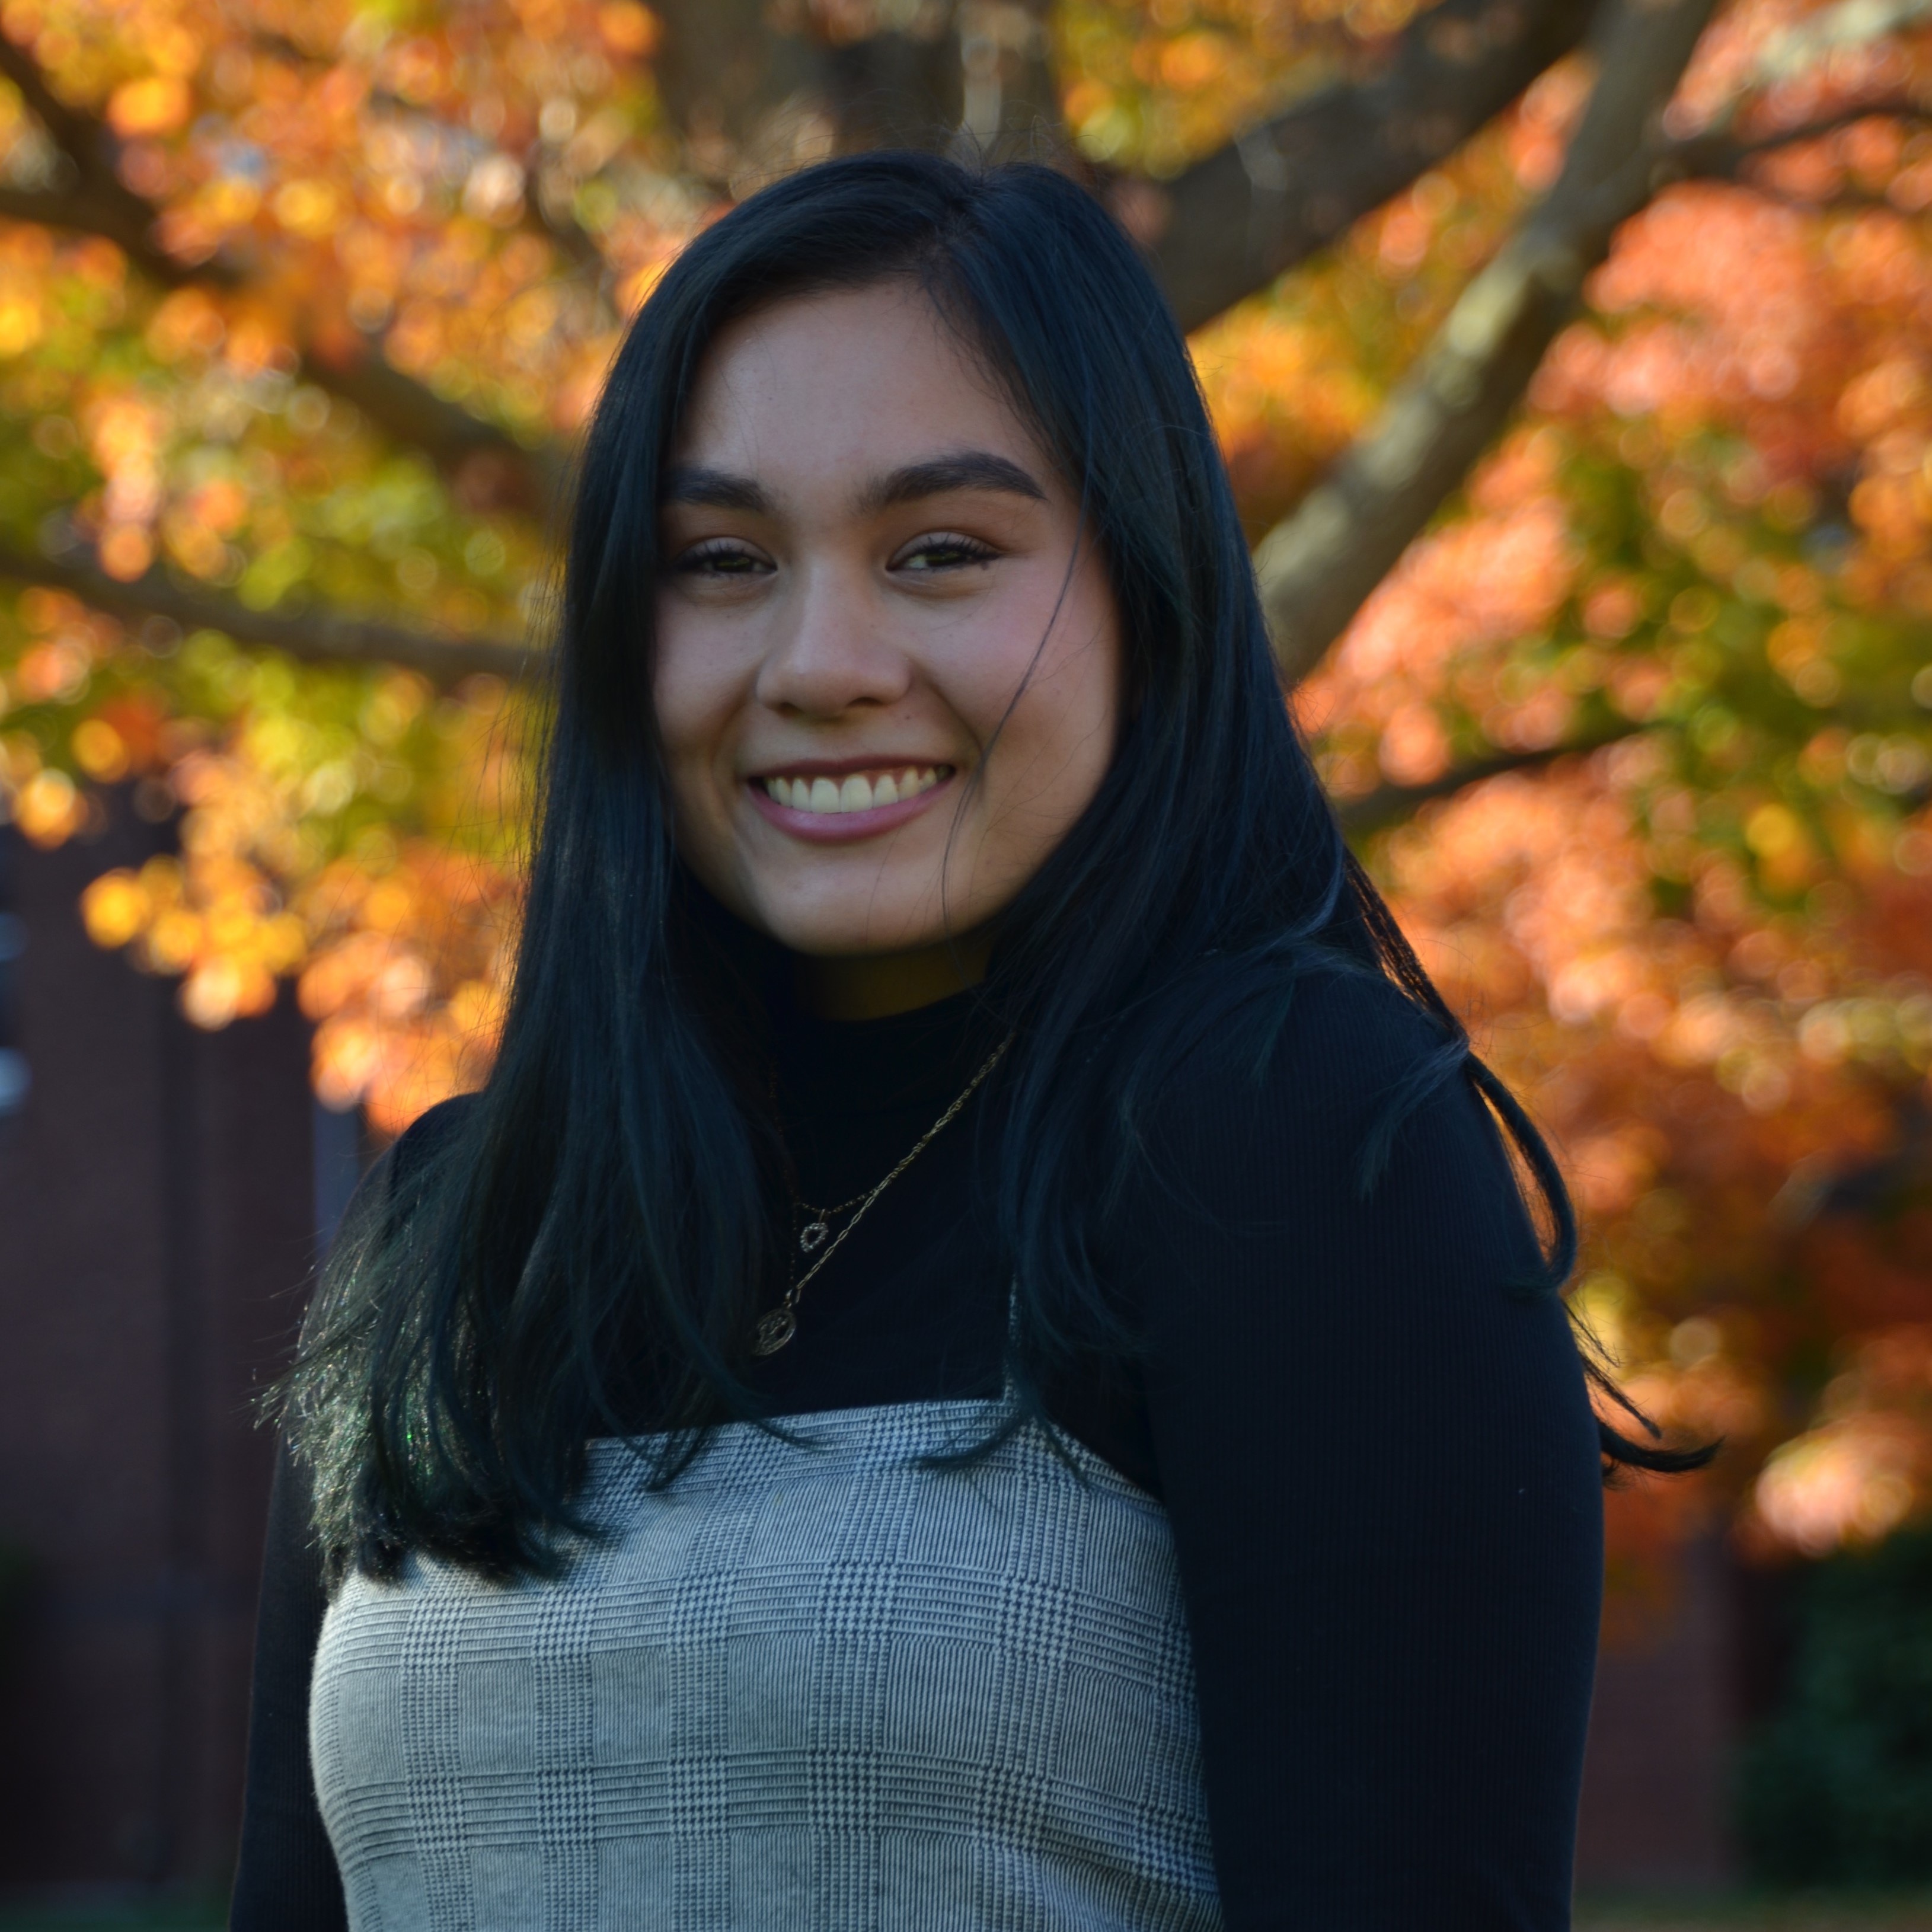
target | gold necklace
[{"x": 777, "y": 1326}]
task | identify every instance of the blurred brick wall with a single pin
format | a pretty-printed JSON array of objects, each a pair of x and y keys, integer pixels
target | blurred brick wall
[
  {"x": 1663, "y": 1734},
  {"x": 156, "y": 1225}
]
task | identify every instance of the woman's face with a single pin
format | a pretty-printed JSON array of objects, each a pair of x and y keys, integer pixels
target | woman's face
[{"x": 871, "y": 570}]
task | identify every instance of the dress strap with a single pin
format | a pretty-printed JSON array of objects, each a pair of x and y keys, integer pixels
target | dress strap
[{"x": 1008, "y": 1392}]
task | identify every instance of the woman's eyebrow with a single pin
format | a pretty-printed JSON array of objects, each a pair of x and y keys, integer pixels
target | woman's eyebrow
[
  {"x": 961, "y": 469},
  {"x": 715, "y": 490}
]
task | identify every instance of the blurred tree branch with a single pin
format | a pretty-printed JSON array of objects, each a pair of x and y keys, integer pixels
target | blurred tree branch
[
  {"x": 320, "y": 637},
  {"x": 1389, "y": 802},
  {"x": 1851, "y": 23},
  {"x": 490, "y": 464},
  {"x": 92, "y": 198},
  {"x": 1317, "y": 566},
  {"x": 749, "y": 96},
  {"x": 755, "y": 98},
  {"x": 1718, "y": 156},
  {"x": 1285, "y": 190}
]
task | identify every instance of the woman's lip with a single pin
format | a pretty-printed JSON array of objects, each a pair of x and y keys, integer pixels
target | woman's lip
[
  {"x": 840, "y": 828},
  {"x": 843, "y": 768}
]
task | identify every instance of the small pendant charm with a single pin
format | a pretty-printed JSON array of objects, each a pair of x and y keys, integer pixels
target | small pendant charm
[
  {"x": 774, "y": 1331},
  {"x": 812, "y": 1235}
]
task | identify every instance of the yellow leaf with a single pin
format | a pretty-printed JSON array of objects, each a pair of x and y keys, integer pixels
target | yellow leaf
[
  {"x": 99, "y": 751},
  {"x": 157, "y": 105},
  {"x": 21, "y": 323},
  {"x": 114, "y": 909},
  {"x": 628, "y": 28},
  {"x": 309, "y": 208},
  {"x": 49, "y": 810}
]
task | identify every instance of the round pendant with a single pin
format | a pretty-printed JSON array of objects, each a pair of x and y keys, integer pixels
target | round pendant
[
  {"x": 775, "y": 1329},
  {"x": 812, "y": 1235}
]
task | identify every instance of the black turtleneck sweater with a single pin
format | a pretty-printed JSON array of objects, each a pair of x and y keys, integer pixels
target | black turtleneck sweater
[{"x": 1379, "y": 1461}]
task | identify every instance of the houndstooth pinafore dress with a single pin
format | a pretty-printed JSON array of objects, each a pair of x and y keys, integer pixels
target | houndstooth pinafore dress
[{"x": 812, "y": 1687}]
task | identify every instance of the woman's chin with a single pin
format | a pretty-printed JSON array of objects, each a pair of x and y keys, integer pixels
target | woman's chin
[
  {"x": 851, "y": 902},
  {"x": 832, "y": 938}
]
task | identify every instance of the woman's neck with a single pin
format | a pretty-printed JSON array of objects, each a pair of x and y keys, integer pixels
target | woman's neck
[{"x": 875, "y": 987}]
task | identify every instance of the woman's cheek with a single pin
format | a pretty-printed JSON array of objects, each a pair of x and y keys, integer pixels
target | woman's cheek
[
  {"x": 693, "y": 728},
  {"x": 687, "y": 689},
  {"x": 1058, "y": 741}
]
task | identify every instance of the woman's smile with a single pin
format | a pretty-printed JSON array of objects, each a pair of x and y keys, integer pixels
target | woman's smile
[{"x": 825, "y": 801}]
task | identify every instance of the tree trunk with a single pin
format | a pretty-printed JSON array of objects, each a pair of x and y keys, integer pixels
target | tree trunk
[
  {"x": 1283, "y": 190},
  {"x": 1318, "y": 565}
]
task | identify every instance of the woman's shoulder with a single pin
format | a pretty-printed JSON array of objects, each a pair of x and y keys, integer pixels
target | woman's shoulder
[
  {"x": 407, "y": 1160},
  {"x": 430, "y": 1133},
  {"x": 1328, "y": 1048},
  {"x": 1330, "y": 1129}
]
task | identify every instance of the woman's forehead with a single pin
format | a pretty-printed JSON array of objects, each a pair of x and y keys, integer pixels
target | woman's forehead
[{"x": 850, "y": 385}]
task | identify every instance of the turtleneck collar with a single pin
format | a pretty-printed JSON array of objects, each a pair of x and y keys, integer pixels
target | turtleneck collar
[{"x": 840, "y": 1068}]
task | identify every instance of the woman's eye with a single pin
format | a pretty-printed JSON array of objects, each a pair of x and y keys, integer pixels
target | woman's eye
[
  {"x": 944, "y": 551},
  {"x": 720, "y": 558}
]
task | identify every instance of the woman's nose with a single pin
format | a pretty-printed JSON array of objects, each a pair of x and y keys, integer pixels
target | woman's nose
[{"x": 829, "y": 649}]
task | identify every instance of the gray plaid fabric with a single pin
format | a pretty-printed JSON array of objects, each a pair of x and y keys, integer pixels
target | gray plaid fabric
[{"x": 812, "y": 1686}]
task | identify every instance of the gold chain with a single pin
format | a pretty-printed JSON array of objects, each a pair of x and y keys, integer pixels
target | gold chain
[{"x": 777, "y": 1326}]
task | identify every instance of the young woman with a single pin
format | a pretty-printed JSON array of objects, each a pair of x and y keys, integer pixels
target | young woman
[{"x": 978, "y": 1361}]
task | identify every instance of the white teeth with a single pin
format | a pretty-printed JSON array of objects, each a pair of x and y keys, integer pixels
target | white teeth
[{"x": 857, "y": 792}]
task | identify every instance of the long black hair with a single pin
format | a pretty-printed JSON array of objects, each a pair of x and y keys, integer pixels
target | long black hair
[{"x": 602, "y": 1211}]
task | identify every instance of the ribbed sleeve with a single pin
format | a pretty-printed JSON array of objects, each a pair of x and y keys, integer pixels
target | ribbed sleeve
[{"x": 1381, "y": 1471}]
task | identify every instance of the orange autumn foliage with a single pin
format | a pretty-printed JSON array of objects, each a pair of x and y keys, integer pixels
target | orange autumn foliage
[{"x": 1689, "y": 594}]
